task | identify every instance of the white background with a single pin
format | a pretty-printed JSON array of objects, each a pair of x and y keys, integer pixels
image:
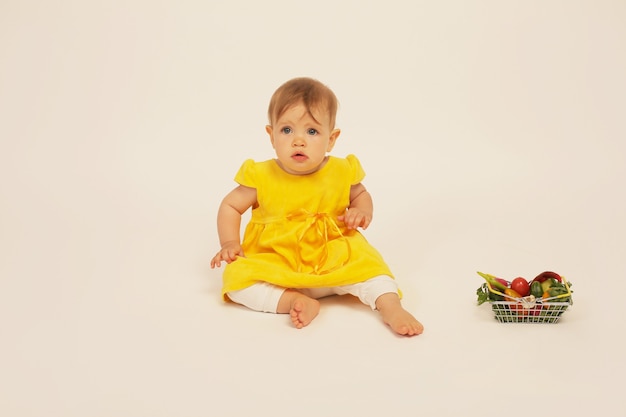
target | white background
[{"x": 493, "y": 136}]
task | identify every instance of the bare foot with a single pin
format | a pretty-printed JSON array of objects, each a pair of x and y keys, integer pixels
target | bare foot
[
  {"x": 396, "y": 317},
  {"x": 301, "y": 309}
]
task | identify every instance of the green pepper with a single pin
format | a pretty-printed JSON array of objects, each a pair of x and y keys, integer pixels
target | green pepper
[{"x": 535, "y": 289}]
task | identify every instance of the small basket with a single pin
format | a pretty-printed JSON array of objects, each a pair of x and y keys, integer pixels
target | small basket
[{"x": 528, "y": 309}]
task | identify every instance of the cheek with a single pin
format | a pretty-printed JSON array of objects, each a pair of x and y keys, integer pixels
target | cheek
[{"x": 282, "y": 147}]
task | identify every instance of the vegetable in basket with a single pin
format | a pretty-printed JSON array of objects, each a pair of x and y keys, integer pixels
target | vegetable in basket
[
  {"x": 556, "y": 290},
  {"x": 521, "y": 286},
  {"x": 548, "y": 275},
  {"x": 499, "y": 283},
  {"x": 536, "y": 290},
  {"x": 512, "y": 295},
  {"x": 546, "y": 287},
  {"x": 485, "y": 295}
]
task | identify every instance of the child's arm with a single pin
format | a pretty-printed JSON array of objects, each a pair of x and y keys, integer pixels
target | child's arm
[
  {"x": 361, "y": 209},
  {"x": 237, "y": 202}
]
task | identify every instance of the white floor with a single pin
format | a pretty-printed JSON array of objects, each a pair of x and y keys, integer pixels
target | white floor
[{"x": 492, "y": 134}]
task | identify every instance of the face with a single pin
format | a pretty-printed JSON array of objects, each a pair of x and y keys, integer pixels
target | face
[{"x": 300, "y": 141}]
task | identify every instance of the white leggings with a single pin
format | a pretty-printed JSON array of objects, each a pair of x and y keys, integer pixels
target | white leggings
[{"x": 264, "y": 297}]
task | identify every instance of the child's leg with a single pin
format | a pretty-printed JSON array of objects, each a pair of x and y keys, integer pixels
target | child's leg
[
  {"x": 381, "y": 293},
  {"x": 258, "y": 297},
  {"x": 272, "y": 299}
]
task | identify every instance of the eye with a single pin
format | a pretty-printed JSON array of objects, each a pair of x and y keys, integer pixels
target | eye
[
  {"x": 312, "y": 132},
  {"x": 286, "y": 130}
]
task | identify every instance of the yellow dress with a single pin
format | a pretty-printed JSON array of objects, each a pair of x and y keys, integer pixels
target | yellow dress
[{"x": 293, "y": 239}]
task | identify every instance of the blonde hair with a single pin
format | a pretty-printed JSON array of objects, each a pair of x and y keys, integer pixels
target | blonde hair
[{"x": 308, "y": 91}]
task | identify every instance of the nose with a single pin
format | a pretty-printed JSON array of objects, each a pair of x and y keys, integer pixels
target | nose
[{"x": 298, "y": 141}]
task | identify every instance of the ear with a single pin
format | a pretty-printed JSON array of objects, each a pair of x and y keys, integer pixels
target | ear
[
  {"x": 270, "y": 132},
  {"x": 333, "y": 139}
]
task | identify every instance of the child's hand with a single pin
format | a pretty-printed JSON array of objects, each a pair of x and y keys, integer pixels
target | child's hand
[
  {"x": 230, "y": 252},
  {"x": 355, "y": 217}
]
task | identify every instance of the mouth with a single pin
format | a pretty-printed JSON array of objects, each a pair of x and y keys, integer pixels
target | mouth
[{"x": 299, "y": 156}]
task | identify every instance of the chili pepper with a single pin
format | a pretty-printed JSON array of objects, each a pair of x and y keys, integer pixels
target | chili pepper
[
  {"x": 512, "y": 294},
  {"x": 493, "y": 281}
]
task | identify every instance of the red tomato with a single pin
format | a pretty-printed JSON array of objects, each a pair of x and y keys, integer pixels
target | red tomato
[{"x": 521, "y": 286}]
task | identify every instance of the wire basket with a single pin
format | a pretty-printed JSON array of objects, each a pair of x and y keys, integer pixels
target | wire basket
[{"x": 529, "y": 309}]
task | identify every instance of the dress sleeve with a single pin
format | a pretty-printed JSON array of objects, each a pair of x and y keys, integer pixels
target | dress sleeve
[
  {"x": 247, "y": 174},
  {"x": 356, "y": 171}
]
